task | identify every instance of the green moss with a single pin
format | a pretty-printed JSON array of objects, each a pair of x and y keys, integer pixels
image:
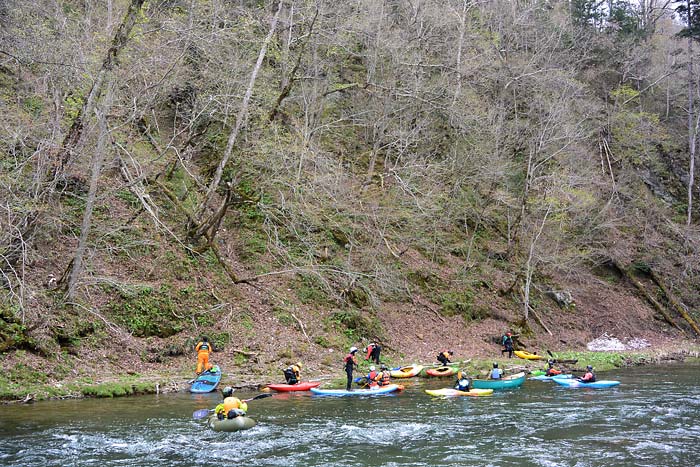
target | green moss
[{"x": 118, "y": 389}]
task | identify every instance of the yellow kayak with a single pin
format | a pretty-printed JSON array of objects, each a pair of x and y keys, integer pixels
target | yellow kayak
[
  {"x": 406, "y": 371},
  {"x": 528, "y": 356},
  {"x": 455, "y": 392}
]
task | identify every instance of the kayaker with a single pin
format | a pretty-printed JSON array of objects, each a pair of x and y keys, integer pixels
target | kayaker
[
  {"x": 373, "y": 350},
  {"x": 444, "y": 357},
  {"x": 384, "y": 376},
  {"x": 203, "y": 349},
  {"x": 462, "y": 383},
  {"x": 231, "y": 407},
  {"x": 350, "y": 363},
  {"x": 496, "y": 372},
  {"x": 507, "y": 342},
  {"x": 293, "y": 373},
  {"x": 373, "y": 377},
  {"x": 551, "y": 371},
  {"x": 589, "y": 376}
]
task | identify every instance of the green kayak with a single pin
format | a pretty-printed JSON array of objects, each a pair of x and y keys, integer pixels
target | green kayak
[
  {"x": 231, "y": 424},
  {"x": 508, "y": 382}
]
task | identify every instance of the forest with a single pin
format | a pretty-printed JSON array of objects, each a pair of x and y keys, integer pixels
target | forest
[{"x": 292, "y": 176}]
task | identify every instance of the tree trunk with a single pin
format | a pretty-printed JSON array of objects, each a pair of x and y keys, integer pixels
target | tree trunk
[
  {"x": 96, "y": 170},
  {"x": 242, "y": 116},
  {"x": 674, "y": 302},
  {"x": 692, "y": 128},
  {"x": 657, "y": 306},
  {"x": 119, "y": 41}
]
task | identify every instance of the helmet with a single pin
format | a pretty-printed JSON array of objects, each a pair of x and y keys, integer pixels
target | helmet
[
  {"x": 353, "y": 349},
  {"x": 495, "y": 365},
  {"x": 508, "y": 334},
  {"x": 298, "y": 364},
  {"x": 450, "y": 352},
  {"x": 550, "y": 361},
  {"x": 589, "y": 367},
  {"x": 372, "y": 368},
  {"x": 227, "y": 391},
  {"x": 383, "y": 367}
]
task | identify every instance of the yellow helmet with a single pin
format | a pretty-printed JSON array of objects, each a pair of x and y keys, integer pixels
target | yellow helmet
[{"x": 298, "y": 364}]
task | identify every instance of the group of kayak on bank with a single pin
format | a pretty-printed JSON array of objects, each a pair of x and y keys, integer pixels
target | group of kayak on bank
[{"x": 232, "y": 407}]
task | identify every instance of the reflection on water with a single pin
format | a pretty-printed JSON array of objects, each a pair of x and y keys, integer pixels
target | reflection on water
[{"x": 651, "y": 419}]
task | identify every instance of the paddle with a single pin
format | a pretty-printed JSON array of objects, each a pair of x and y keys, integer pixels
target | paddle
[{"x": 204, "y": 412}]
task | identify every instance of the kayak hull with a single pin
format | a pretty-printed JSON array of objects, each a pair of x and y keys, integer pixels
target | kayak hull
[
  {"x": 406, "y": 371},
  {"x": 205, "y": 382},
  {"x": 550, "y": 378},
  {"x": 357, "y": 392},
  {"x": 304, "y": 386},
  {"x": 450, "y": 392},
  {"x": 510, "y": 382},
  {"x": 441, "y": 371},
  {"x": 574, "y": 383},
  {"x": 528, "y": 356},
  {"x": 231, "y": 424}
]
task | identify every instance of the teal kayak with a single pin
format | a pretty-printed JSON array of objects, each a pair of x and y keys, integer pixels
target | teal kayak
[
  {"x": 509, "y": 382},
  {"x": 206, "y": 381},
  {"x": 357, "y": 392},
  {"x": 574, "y": 383},
  {"x": 231, "y": 424}
]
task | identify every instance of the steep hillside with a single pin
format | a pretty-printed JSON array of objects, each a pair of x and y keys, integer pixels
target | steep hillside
[{"x": 292, "y": 178}]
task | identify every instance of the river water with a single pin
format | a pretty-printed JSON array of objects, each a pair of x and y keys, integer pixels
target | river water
[{"x": 651, "y": 419}]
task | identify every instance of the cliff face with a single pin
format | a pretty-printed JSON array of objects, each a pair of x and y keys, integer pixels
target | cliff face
[{"x": 291, "y": 179}]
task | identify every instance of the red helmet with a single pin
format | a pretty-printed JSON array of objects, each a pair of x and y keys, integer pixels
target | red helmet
[{"x": 508, "y": 334}]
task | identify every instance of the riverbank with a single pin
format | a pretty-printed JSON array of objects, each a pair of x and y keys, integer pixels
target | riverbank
[{"x": 24, "y": 385}]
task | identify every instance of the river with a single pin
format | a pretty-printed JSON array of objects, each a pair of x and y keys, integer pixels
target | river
[{"x": 651, "y": 419}]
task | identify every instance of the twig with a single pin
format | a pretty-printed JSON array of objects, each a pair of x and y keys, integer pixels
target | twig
[{"x": 301, "y": 325}]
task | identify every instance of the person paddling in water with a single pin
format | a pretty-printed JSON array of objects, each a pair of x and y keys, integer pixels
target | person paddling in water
[
  {"x": 462, "y": 383},
  {"x": 589, "y": 376},
  {"x": 496, "y": 373},
  {"x": 350, "y": 363}
]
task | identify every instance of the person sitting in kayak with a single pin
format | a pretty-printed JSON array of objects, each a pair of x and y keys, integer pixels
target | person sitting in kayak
[
  {"x": 444, "y": 357},
  {"x": 507, "y": 343},
  {"x": 203, "y": 349},
  {"x": 373, "y": 377},
  {"x": 589, "y": 377},
  {"x": 496, "y": 373},
  {"x": 293, "y": 373},
  {"x": 551, "y": 371},
  {"x": 462, "y": 383},
  {"x": 350, "y": 363},
  {"x": 373, "y": 350},
  {"x": 231, "y": 407},
  {"x": 384, "y": 376}
]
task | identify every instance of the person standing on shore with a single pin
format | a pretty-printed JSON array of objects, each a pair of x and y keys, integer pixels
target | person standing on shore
[
  {"x": 203, "y": 349},
  {"x": 507, "y": 343},
  {"x": 373, "y": 350}
]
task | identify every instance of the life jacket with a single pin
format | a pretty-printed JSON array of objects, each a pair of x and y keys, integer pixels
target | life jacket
[
  {"x": 203, "y": 347},
  {"x": 589, "y": 377},
  {"x": 552, "y": 371},
  {"x": 231, "y": 403},
  {"x": 496, "y": 373},
  {"x": 372, "y": 379},
  {"x": 462, "y": 385},
  {"x": 385, "y": 379},
  {"x": 370, "y": 348},
  {"x": 349, "y": 361}
]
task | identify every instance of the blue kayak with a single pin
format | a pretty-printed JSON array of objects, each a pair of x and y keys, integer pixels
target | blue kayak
[
  {"x": 550, "y": 378},
  {"x": 357, "y": 392},
  {"x": 206, "y": 381},
  {"x": 574, "y": 383}
]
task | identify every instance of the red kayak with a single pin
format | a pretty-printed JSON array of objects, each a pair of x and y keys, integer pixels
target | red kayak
[{"x": 294, "y": 387}]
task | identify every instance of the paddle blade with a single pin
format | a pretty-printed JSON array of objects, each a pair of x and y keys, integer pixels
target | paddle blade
[
  {"x": 259, "y": 396},
  {"x": 201, "y": 413}
]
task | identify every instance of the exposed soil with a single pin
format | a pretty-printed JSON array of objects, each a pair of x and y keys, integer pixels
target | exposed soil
[{"x": 414, "y": 332}]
